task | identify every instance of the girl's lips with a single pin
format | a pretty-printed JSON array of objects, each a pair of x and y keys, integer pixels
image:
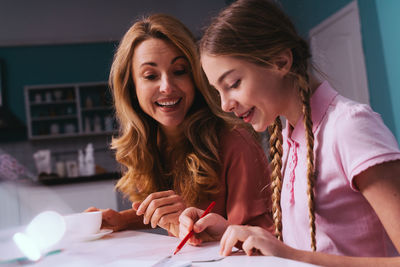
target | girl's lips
[{"x": 247, "y": 116}]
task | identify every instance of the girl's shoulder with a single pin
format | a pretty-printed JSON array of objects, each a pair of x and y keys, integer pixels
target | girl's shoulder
[
  {"x": 345, "y": 115},
  {"x": 353, "y": 125}
]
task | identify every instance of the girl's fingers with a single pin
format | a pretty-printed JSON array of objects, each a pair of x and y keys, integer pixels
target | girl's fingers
[
  {"x": 250, "y": 245},
  {"x": 223, "y": 240},
  {"x": 144, "y": 205},
  {"x": 232, "y": 235}
]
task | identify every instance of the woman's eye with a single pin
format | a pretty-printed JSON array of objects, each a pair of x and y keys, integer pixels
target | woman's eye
[
  {"x": 235, "y": 84},
  {"x": 180, "y": 72}
]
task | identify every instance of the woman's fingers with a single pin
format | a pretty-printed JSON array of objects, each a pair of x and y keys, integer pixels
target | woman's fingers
[
  {"x": 150, "y": 198},
  {"x": 135, "y": 205},
  {"x": 166, "y": 214},
  {"x": 90, "y": 209},
  {"x": 205, "y": 222},
  {"x": 161, "y": 206},
  {"x": 186, "y": 222},
  {"x": 189, "y": 216}
]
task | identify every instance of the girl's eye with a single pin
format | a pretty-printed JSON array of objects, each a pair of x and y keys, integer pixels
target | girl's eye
[
  {"x": 235, "y": 84},
  {"x": 150, "y": 77}
]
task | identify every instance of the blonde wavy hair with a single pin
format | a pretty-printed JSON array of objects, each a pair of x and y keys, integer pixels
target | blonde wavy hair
[
  {"x": 257, "y": 31},
  {"x": 141, "y": 147}
]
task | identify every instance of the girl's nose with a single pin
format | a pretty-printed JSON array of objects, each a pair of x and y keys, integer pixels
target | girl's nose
[
  {"x": 166, "y": 85},
  {"x": 227, "y": 103}
]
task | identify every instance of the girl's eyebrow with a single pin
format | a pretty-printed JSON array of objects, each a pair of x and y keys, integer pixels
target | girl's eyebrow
[{"x": 222, "y": 77}]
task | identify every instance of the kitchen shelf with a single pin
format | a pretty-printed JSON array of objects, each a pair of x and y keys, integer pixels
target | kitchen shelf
[{"x": 68, "y": 110}]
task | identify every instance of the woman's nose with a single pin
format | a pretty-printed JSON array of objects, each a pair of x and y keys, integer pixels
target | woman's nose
[{"x": 166, "y": 85}]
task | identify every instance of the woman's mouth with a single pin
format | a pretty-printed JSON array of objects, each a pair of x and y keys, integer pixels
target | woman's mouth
[
  {"x": 247, "y": 116},
  {"x": 170, "y": 103}
]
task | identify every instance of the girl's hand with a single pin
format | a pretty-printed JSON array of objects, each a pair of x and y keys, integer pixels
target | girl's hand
[
  {"x": 111, "y": 219},
  {"x": 209, "y": 228},
  {"x": 255, "y": 240},
  {"x": 162, "y": 209}
]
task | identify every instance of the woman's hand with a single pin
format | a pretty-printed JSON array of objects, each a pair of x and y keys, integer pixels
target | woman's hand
[
  {"x": 209, "y": 228},
  {"x": 111, "y": 219},
  {"x": 255, "y": 240},
  {"x": 162, "y": 209}
]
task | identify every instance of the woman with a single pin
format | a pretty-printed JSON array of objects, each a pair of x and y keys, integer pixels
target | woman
[
  {"x": 176, "y": 150},
  {"x": 335, "y": 181}
]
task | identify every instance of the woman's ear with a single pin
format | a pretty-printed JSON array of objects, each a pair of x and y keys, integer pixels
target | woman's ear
[{"x": 283, "y": 61}]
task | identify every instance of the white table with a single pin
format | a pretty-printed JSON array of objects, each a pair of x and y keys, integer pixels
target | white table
[
  {"x": 20, "y": 201},
  {"x": 136, "y": 248}
]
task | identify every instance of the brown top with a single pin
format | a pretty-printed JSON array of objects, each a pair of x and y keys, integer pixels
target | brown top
[{"x": 245, "y": 197}]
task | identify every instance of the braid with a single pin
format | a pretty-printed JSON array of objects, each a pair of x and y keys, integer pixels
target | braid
[
  {"x": 275, "y": 141},
  {"x": 305, "y": 94}
]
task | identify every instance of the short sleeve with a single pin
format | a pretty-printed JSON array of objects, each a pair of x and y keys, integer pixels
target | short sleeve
[
  {"x": 245, "y": 168},
  {"x": 363, "y": 140}
]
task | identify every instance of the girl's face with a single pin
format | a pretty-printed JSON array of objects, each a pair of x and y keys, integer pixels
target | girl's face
[
  {"x": 253, "y": 93},
  {"x": 163, "y": 82}
]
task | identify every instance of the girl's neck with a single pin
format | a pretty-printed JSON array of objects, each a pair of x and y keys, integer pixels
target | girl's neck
[{"x": 295, "y": 106}]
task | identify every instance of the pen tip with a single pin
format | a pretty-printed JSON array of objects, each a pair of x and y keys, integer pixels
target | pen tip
[{"x": 176, "y": 251}]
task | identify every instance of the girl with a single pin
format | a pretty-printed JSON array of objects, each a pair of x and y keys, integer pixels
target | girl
[
  {"x": 335, "y": 168},
  {"x": 176, "y": 150}
]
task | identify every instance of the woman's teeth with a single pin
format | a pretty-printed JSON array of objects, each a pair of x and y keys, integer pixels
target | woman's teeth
[{"x": 168, "y": 103}]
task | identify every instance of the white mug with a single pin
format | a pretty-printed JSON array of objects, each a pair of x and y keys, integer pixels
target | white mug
[{"x": 83, "y": 223}]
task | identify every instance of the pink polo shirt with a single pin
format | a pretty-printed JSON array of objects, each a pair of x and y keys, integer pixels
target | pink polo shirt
[{"x": 349, "y": 138}]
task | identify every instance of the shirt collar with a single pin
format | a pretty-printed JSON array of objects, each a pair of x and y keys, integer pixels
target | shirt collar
[{"x": 320, "y": 101}]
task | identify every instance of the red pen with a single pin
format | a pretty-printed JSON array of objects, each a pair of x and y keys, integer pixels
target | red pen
[{"x": 183, "y": 242}]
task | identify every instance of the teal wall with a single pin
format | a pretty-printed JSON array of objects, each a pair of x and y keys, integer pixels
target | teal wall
[
  {"x": 306, "y": 14},
  {"x": 388, "y": 15},
  {"x": 51, "y": 64},
  {"x": 379, "y": 23}
]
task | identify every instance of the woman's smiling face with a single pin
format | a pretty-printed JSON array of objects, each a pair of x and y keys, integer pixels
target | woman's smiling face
[{"x": 163, "y": 82}]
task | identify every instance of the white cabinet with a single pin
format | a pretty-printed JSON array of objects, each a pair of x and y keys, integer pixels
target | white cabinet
[
  {"x": 23, "y": 200},
  {"x": 63, "y": 110}
]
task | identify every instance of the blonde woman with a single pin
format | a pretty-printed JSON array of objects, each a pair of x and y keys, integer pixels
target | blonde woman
[
  {"x": 176, "y": 151},
  {"x": 335, "y": 166}
]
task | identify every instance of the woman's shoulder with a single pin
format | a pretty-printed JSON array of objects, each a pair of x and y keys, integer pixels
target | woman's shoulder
[
  {"x": 237, "y": 136},
  {"x": 240, "y": 140}
]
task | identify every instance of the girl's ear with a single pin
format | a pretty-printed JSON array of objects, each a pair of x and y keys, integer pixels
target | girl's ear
[{"x": 284, "y": 61}]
